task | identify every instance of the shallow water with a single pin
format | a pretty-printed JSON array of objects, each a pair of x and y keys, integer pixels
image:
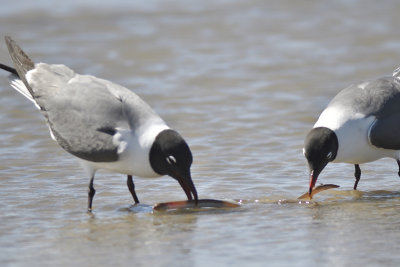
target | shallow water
[{"x": 243, "y": 82}]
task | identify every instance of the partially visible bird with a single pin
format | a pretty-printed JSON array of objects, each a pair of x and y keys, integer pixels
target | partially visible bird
[
  {"x": 361, "y": 124},
  {"x": 104, "y": 125}
]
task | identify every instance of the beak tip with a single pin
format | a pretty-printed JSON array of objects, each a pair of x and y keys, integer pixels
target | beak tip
[
  {"x": 188, "y": 187},
  {"x": 195, "y": 197},
  {"x": 313, "y": 180}
]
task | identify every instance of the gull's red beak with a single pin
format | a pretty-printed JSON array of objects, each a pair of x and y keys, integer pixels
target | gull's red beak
[{"x": 313, "y": 180}]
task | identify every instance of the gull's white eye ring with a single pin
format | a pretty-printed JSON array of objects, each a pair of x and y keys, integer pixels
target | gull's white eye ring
[{"x": 171, "y": 160}]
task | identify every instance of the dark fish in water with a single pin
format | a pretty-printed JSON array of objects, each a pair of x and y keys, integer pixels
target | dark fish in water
[
  {"x": 317, "y": 190},
  {"x": 202, "y": 203}
]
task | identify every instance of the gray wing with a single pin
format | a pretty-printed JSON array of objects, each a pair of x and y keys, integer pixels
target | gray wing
[
  {"x": 385, "y": 106},
  {"x": 378, "y": 97},
  {"x": 81, "y": 116},
  {"x": 84, "y": 112},
  {"x": 385, "y": 132},
  {"x": 84, "y": 119}
]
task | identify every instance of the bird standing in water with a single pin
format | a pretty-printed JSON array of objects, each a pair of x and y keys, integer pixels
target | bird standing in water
[
  {"x": 104, "y": 125},
  {"x": 361, "y": 124}
]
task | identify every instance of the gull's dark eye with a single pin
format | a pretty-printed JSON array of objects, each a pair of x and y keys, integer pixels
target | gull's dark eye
[{"x": 171, "y": 160}]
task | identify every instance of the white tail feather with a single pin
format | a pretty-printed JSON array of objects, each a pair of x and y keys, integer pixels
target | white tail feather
[
  {"x": 396, "y": 73},
  {"x": 18, "y": 85}
]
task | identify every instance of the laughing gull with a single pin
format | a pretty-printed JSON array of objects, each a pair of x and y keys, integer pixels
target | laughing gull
[
  {"x": 361, "y": 124},
  {"x": 103, "y": 124}
]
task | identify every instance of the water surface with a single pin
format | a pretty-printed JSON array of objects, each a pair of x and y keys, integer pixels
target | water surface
[{"x": 243, "y": 82}]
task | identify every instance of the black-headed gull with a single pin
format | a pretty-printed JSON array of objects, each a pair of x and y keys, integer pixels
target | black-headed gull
[
  {"x": 103, "y": 124},
  {"x": 361, "y": 124}
]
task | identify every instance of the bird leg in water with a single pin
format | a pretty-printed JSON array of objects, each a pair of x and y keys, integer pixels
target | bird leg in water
[
  {"x": 131, "y": 187},
  {"x": 91, "y": 193},
  {"x": 357, "y": 174}
]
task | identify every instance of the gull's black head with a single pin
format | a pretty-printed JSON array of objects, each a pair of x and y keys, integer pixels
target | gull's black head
[
  {"x": 320, "y": 147},
  {"x": 171, "y": 155}
]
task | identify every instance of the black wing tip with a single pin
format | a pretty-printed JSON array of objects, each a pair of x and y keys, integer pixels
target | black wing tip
[
  {"x": 8, "y": 39},
  {"x": 9, "y": 69},
  {"x": 9, "y": 42},
  {"x": 21, "y": 61}
]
